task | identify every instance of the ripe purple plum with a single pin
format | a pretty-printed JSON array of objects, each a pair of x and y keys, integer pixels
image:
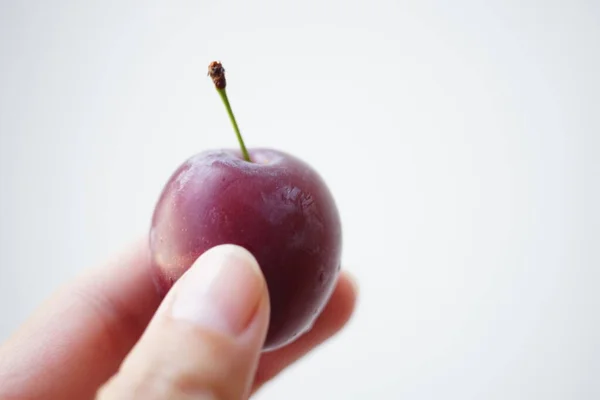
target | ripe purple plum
[{"x": 267, "y": 201}]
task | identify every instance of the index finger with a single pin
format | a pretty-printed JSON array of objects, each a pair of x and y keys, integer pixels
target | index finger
[{"x": 78, "y": 339}]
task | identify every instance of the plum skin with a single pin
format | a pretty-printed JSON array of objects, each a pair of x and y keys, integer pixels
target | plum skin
[{"x": 276, "y": 206}]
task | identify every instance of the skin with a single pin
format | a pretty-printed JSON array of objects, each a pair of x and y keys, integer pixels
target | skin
[{"x": 79, "y": 338}]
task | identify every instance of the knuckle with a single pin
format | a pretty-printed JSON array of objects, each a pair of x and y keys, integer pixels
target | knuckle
[
  {"x": 157, "y": 388},
  {"x": 166, "y": 383},
  {"x": 181, "y": 363}
]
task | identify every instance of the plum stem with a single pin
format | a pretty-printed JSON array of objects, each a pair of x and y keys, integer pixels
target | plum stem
[
  {"x": 217, "y": 74},
  {"x": 225, "y": 99}
]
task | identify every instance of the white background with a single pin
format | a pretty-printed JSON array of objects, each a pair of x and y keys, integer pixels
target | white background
[{"x": 459, "y": 138}]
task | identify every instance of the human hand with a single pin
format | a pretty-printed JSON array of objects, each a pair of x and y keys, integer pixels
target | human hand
[{"x": 109, "y": 335}]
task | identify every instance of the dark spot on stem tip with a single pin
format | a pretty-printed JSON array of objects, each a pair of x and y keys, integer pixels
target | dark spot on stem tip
[{"x": 217, "y": 74}]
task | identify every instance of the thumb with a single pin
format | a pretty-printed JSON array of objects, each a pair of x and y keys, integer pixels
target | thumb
[{"x": 206, "y": 337}]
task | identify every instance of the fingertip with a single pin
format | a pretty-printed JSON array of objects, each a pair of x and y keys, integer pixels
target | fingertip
[
  {"x": 226, "y": 252},
  {"x": 222, "y": 290},
  {"x": 342, "y": 303},
  {"x": 353, "y": 281}
]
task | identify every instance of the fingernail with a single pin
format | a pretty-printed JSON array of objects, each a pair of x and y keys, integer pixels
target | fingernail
[{"x": 221, "y": 291}]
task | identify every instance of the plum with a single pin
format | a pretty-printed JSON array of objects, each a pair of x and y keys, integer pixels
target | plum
[{"x": 267, "y": 201}]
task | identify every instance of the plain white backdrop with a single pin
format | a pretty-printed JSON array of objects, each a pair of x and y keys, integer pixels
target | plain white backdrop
[{"x": 459, "y": 138}]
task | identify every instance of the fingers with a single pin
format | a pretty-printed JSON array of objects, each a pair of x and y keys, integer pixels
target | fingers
[
  {"x": 334, "y": 317},
  {"x": 77, "y": 341},
  {"x": 206, "y": 337}
]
